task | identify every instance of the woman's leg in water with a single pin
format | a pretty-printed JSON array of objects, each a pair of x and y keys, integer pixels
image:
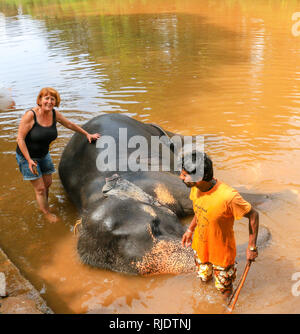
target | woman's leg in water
[{"x": 41, "y": 188}]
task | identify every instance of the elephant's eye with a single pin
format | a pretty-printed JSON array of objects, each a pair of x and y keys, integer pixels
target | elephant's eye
[{"x": 155, "y": 227}]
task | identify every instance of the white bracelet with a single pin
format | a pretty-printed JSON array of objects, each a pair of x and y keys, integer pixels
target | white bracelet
[{"x": 189, "y": 230}]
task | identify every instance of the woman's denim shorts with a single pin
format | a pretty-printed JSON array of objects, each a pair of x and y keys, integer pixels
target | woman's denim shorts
[{"x": 44, "y": 167}]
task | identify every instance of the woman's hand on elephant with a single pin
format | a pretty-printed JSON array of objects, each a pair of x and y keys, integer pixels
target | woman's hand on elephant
[
  {"x": 92, "y": 137},
  {"x": 186, "y": 240}
]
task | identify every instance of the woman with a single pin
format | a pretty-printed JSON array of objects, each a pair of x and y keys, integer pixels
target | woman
[{"x": 36, "y": 131}]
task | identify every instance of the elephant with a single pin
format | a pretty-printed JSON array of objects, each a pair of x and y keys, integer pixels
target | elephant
[{"x": 130, "y": 219}]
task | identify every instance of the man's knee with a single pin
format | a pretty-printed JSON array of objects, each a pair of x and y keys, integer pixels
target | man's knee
[{"x": 224, "y": 278}]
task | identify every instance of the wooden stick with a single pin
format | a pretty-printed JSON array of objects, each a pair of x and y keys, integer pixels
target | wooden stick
[{"x": 237, "y": 291}]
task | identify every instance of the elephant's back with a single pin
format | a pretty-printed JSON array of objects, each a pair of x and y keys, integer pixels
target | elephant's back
[{"x": 78, "y": 163}]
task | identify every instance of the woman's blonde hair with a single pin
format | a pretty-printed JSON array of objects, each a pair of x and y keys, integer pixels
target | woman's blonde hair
[{"x": 48, "y": 91}]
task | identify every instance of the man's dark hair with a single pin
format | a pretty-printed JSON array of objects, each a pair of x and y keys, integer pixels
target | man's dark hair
[{"x": 208, "y": 172}]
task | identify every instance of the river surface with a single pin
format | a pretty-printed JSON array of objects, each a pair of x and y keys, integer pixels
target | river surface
[{"x": 228, "y": 70}]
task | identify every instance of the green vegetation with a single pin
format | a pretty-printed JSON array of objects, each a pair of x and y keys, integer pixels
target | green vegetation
[{"x": 36, "y": 7}]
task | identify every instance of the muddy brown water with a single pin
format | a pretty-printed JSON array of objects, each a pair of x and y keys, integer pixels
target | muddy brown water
[{"x": 228, "y": 70}]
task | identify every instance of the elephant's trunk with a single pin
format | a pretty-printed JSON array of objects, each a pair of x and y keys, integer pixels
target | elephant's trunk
[
  {"x": 169, "y": 257},
  {"x": 166, "y": 257}
]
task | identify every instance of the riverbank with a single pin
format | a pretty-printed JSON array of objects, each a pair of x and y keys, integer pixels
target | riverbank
[{"x": 20, "y": 295}]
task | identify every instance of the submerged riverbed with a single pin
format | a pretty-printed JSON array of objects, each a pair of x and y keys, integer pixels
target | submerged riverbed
[{"x": 228, "y": 70}]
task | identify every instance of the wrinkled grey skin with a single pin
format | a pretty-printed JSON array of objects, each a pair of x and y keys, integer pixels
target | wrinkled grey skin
[{"x": 127, "y": 225}]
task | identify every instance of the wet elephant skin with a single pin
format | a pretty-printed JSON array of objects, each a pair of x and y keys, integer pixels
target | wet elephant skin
[{"x": 127, "y": 216}]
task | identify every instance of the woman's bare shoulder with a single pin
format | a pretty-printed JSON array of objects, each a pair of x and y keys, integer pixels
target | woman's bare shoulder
[
  {"x": 58, "y": 114},
  {"x": 28, "y": 115}
]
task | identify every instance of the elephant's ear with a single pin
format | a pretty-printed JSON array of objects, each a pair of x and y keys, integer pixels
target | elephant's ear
[
  {"x": 123, "y": 189},
  {"x": 110, "y": 183}
]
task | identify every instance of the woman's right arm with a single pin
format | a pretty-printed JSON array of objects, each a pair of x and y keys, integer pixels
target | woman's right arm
[{"x": 25, "y": 126}]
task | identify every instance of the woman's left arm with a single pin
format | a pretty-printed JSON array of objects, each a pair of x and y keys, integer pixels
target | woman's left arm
[{"x": 72, "y": 126}]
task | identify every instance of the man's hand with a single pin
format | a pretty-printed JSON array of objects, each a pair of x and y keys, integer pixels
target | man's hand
[
  {"x": 186, "y": 240},
  {"x": 251, "y": 254}
]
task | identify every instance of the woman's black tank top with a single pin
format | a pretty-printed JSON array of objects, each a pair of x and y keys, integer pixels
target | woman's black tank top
[{"x": 38, "y": 139}]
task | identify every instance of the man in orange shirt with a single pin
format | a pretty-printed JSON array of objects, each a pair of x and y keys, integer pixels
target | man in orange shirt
[{"x": 216, "y": 206}]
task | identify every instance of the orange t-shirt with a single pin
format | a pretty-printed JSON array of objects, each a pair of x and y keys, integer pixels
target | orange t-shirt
[{"x": 216, "y": 211}]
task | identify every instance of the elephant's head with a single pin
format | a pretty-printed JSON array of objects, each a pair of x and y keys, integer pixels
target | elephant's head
[{"x": 127, "y": 230}]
